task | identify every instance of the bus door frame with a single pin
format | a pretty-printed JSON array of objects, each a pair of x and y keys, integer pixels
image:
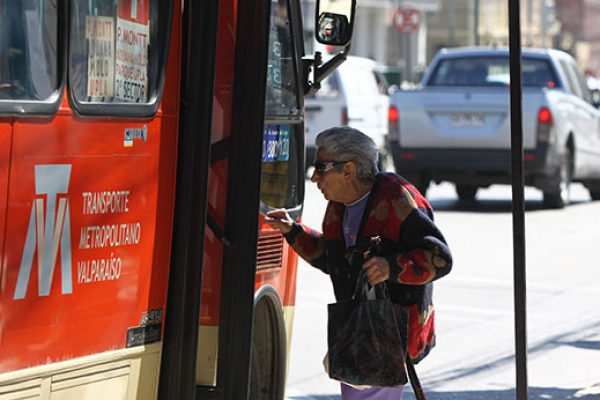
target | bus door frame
[
  {"x": 6, "y": 134},
  {"x": 180, "y": 340}
]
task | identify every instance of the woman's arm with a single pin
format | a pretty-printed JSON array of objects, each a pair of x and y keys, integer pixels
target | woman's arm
[
  {"x": 424, "y": 255},
  {"x": 418, "y": 254},
  {"x": 308, "y": 243}
]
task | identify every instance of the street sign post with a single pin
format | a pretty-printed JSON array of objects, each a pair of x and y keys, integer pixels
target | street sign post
[{"x": 407, "y": 21}]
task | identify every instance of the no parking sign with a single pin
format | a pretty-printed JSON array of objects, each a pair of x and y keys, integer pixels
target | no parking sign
[{"x": 407, "y": 20}]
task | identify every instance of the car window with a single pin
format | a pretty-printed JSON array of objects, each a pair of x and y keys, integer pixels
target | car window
[
  {"x": 583, "y": 88},
  {"x": 361, "y": 82},
  {"x": 492, "y": 71},
  {"x": 570, "y": 77},
  {"x": 330, "y": 88},
  {"x": 382, "y": 83}
]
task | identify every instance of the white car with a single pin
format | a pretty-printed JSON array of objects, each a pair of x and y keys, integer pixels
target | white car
[{"x": 350, "y": 96}]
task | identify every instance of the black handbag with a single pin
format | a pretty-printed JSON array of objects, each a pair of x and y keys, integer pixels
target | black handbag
[{"x": 365, "y": 345}]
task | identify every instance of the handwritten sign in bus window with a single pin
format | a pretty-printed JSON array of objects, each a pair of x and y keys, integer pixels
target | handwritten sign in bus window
[
  {"x": 99, "y": 32},
  {"x": 131, "y": 67},
  {"x": 276, "y": 143}
]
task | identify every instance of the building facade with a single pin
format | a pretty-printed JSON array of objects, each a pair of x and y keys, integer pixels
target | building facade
[{"x": 569, "y": 25}]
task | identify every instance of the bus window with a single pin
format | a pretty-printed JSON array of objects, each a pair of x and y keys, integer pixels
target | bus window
[
  {"x": 280, "y": 185},
  {"x": 28, "y": 50},
  {"x": 281, "y": 179},
  {"x": 282, "y": 93},
  {"x": 116, "y": 52}
]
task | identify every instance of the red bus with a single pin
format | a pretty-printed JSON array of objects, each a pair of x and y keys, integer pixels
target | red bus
[{"x": 140, "y": 140}]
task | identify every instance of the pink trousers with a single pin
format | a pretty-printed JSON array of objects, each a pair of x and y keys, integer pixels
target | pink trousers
[{"x": 374, "y": 393}]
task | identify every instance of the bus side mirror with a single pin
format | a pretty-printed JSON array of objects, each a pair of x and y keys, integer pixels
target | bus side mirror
[
  {"x": 332, "y": 29},
  {"x": 334, "y": 21}
]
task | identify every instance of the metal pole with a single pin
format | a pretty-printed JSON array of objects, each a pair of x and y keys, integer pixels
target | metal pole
[
  {"x": 518, "y": 202},
  {"x": 408, "y": 57},
  {"x": 476, "y": 12}
]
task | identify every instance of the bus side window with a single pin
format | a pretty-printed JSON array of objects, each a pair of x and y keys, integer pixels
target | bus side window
[
  {"x": 116, "y": 51},
  {"x": 28, "y": 50}
]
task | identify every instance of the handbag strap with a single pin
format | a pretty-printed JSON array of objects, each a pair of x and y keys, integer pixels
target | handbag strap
[
  {"x": 414, "y": 379},
  {"x": 360, "y": 291},
  {"x": 362, "y": 286}
]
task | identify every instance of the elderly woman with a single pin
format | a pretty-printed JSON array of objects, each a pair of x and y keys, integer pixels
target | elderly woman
[{"x": 362, "y": 204}]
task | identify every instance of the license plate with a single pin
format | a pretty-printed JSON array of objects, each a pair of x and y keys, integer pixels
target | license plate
[{"x": 467, "y": 119}]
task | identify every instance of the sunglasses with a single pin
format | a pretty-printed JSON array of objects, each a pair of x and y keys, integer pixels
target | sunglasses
[{"x": 323, "y": 166}]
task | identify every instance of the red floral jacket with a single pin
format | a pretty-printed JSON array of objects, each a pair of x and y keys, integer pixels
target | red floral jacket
[{"x": 413, "y": 246}]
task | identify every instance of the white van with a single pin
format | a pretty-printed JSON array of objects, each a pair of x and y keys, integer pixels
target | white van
[{"x": 350, "y": 96}]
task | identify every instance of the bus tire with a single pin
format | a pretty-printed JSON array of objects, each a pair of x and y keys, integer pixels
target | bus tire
[
  {"x": 255, "y": 375},
  {"x": 268, "y": 358}
]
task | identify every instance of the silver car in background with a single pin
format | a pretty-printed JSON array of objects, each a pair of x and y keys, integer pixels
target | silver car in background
[{"x": 456, "y": 126}]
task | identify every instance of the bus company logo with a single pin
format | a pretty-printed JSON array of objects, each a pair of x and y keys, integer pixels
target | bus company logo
[{"x": 49, "y": 227}]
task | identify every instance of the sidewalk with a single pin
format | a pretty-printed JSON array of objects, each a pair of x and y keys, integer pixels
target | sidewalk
[{"x": 592, "y": 392}]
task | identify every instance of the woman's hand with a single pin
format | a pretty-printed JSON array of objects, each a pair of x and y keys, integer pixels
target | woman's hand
[
  {"x": 378, "y": 270},
  {"x": 279, "y": 219}
]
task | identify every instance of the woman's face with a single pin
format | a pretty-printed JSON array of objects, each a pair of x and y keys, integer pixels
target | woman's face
[{"x": 331, "y": 179}]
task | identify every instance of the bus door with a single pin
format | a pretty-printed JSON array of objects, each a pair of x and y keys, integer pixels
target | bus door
[{"x": 5, "y": 122}]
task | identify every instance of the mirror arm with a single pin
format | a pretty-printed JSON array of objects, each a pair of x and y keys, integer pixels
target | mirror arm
[
  {"x": 309, "y": 65},
  {"x": 321, "y": 72},
  {"x": 327, "y": 68}
]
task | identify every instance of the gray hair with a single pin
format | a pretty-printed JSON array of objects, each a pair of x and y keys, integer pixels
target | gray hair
[{"x": 349, "y": 144}]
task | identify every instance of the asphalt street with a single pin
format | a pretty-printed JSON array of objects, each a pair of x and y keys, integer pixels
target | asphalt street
[{"x": 474, "y": 358}]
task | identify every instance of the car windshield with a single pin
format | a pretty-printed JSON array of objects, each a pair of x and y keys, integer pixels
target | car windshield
[{"x": 491, "y": 71}]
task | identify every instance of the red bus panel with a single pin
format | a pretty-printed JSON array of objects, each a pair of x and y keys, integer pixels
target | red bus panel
[{"x": 80, "y": 239}]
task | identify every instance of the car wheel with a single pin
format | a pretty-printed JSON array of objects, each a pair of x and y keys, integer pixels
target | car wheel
[
  {"x": 420, "y": 182},
  {"x": 422, "y": 185},
  {"x": 593, "y": 186},
  {"x": 466, "y": 192},
  {"x": 560, "y": 196},
  {"x": 384, "y": 162}
]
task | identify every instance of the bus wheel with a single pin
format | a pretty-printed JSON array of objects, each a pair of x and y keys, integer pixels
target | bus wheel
[
  {"x": 267, "y": 374},
  {"x": 254, "y": 376}
]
